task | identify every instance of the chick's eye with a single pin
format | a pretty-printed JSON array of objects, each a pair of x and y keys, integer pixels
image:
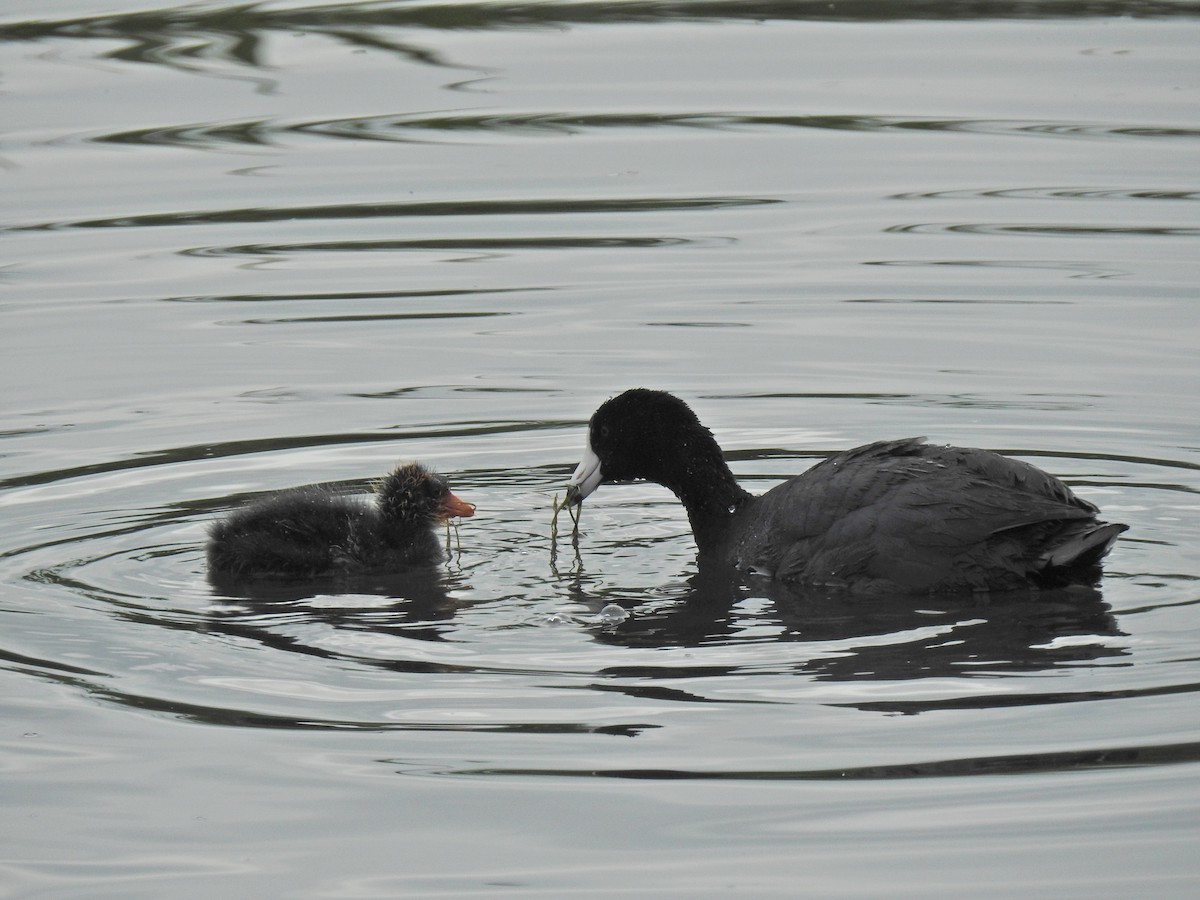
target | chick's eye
[{"x": 604, "y": 431}]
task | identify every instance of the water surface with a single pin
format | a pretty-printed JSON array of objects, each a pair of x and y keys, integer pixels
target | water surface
[{"x": 250, "y": 247}]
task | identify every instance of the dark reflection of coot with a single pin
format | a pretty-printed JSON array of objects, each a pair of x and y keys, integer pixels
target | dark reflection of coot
[{"x": 944, "y": 637}]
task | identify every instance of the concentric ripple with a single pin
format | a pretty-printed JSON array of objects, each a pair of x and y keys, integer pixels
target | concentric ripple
[{"x": 124, "y": 609}]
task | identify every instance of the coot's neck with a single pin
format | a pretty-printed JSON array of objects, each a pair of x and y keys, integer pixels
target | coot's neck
[{"x": 701, "y": 479}]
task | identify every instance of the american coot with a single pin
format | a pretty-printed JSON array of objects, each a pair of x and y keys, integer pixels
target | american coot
[
  {"x": 312, "y": 531},
  {"x": 890, "y": 517}
]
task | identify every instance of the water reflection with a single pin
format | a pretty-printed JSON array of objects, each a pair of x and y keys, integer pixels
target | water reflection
[
  {"x": 479, "y": 245},
  {"x": 412, "y": 209},
  {"x": 185, "y": 37},
  {"x": 412, "y": 604},
  {"x": 847, "y": 638},
  {"x": 1042, "y": 193},
  {"x": 1042, "y": 230},
  {"x": 838, "y": 638},
  {"x": 1104, "y": 758},
  {"x": 428, "y": 128}
]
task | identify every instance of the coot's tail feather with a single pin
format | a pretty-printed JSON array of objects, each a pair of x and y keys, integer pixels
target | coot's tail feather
[{"x": 1082, "y": 546}]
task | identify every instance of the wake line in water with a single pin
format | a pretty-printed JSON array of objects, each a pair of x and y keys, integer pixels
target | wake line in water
[
  {"x": 448, "y": 126},
  {"x": 1016, "y": 764},
  {"x": 1043, "y": 230},
  {"x": 417, "y": 209},
  {"x": 481, "y": 245}
]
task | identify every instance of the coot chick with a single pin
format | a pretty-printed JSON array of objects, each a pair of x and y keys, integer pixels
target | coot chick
[
  {"x": 312, "y": 531},
  {"x": 893, "y": 517}
]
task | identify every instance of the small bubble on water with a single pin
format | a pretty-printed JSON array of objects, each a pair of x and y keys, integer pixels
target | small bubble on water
[{"x": 613, "y": 614}]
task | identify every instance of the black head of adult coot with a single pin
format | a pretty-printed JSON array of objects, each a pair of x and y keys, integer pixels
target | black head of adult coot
[
  {"x": 893, "y": 517},
  {"x": 313, "y": 531}
]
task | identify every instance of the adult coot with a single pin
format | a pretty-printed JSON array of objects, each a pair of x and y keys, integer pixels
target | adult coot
[
  {"x": 890, "y": 517},
  {"x": 312, "y": 531}
]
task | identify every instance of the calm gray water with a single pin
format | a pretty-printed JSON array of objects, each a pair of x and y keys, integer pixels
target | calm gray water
[{"x": 247, "y": 247}]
